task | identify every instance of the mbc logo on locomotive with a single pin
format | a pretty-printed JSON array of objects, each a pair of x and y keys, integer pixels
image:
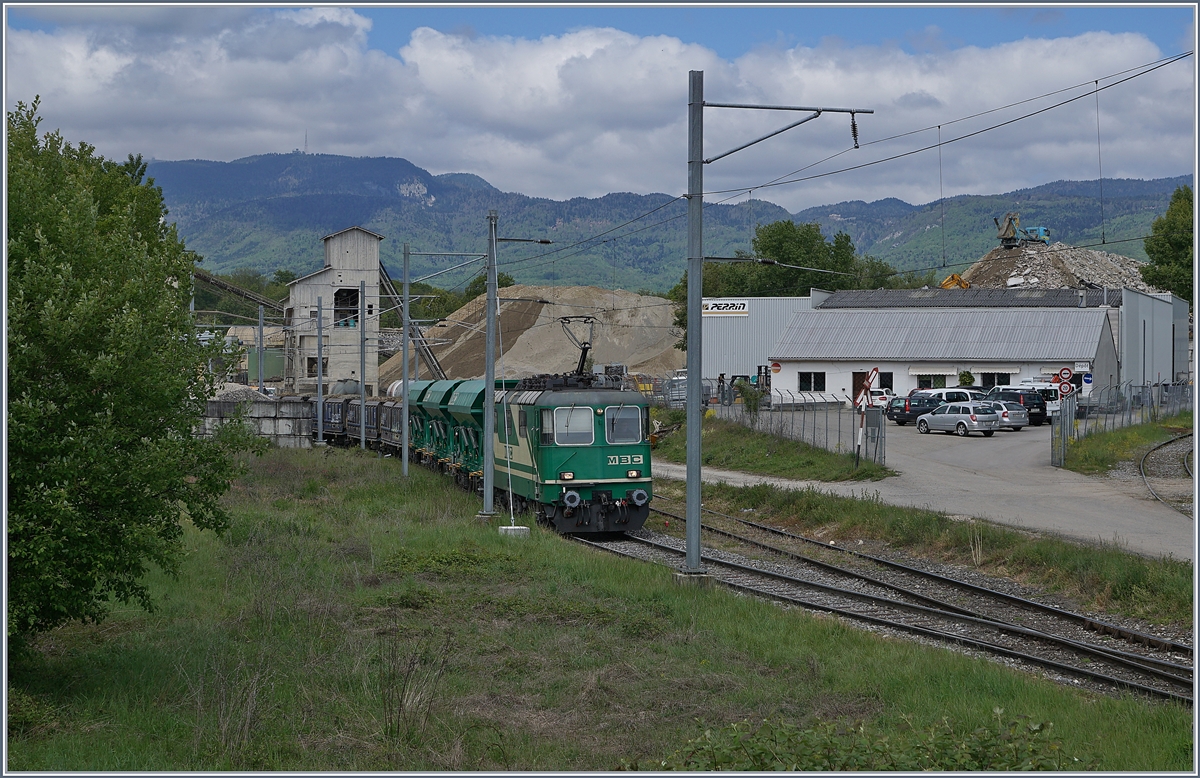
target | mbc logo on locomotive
[{"x": 635, "y": 459}]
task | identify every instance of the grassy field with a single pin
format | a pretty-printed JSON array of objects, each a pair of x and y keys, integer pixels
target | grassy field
[
  {"x": 733, "y": 447},
  {"x": 354, "y": 621},
  {"x": 1098, "y": 453}
]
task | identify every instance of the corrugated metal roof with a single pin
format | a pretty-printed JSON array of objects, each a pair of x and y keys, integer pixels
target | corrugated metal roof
[
  {"x": 968, "y": 298},
  {"x": 947, "y": 334}
]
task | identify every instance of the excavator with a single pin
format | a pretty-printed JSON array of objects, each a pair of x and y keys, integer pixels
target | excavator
[
  {"x": 1011, "y": 234},
  {"x": 955, "y": 281}
]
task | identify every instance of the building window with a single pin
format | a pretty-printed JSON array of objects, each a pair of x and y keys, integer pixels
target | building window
[
  {"x": 345, "y": 308},
  {"x": 810, "y": 382},
  {"x": 885, "y": 381},
  {"x": 931, "y": 382},
  {"x": 988, "y": 380},
  {"x": 312, "y": 366}
]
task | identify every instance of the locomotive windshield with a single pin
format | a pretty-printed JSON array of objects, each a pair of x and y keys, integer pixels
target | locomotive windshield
[
  {"x": 623, "y": 424},
  {"x": 573, "y": 426}
]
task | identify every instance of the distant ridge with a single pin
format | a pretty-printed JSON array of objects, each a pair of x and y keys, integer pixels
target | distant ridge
[{"x": 269, "y": 212}]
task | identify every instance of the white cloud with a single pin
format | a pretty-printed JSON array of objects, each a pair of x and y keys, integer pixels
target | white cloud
[{"x": 594, "y": 110}]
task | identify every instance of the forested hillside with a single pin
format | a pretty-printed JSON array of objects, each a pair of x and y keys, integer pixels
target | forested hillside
[{"x": 269, "y": 213}]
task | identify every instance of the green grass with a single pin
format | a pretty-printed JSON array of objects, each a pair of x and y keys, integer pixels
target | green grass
[
  {"x": 1100, "y": 452},
  {"x": 352, "y": 620},
  {"x": 731, "y": 446},
  {"x": 1100, "y": 577}
]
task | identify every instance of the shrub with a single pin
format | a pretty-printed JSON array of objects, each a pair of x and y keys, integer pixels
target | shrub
[{"x": 1011, "y": 745}]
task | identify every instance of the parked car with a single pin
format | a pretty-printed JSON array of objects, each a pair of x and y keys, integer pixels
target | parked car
[
  {"x": 880, "y": 398},
  {"x": 902, "y": 410},
  {"x": 961, "y": 418},
  {"x": 1030, "y": 399},
  {"x": 1012, "y": 415}
]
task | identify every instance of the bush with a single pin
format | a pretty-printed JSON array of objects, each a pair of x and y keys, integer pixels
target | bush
[{"x": 1012, "y": 745}]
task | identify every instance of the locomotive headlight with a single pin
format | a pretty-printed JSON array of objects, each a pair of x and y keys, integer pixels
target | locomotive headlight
[
  {"x": 566, "y": 476},
  {"x": 633, "y": 474}
]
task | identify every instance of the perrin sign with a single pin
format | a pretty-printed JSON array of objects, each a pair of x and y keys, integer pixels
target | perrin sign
[{"x": 725, "y": 308}]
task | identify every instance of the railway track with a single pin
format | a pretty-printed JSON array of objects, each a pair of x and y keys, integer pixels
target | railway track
[
  {"x": 946, "y": 591},
  {"x": 936, "y": 608},
  {"x": 1167, "y": 465}
]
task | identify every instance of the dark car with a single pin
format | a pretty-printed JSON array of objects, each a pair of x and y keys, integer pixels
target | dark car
[
  {"x": 1029, "y": 398},
  {"x": 902, "y": 410}
]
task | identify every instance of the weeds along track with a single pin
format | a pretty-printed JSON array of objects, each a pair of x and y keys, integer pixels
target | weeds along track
[
  {"x": 1162, "y": 462},
  {"x": 942, "y": 591},
  {"x": 865, "y": 599}
]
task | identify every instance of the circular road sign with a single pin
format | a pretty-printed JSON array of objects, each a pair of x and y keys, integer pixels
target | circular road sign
[
  {"x": 776, "y": 367},
  {"x": 1066, "y": 373},
  {"x": 1065, "y": 388},
  {"x": 1087, "y": 379}
]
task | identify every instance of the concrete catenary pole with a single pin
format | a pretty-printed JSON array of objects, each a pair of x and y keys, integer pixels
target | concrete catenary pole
[
  {"x": 362, "y": 364},
  {"x": 259, "y": 348},
  {"x": 320, "y": 374},
  {"x": 404, "y": 373},
  {"x": 489, "y": 374},
  {"x": 695, "y": 410}
]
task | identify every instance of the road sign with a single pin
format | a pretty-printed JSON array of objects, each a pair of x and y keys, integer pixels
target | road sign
[
  {"x": 1087, "y": 379},
  {"x": 1065, "y": 388},
  {"x": 864, "y": 394},
  {"x": 1066, "y": 373},
  {"x": 776, "y": 367}
]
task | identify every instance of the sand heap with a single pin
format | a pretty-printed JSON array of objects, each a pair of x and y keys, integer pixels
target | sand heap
[
  {"x": 1058, "y": 266},
  {"x": 630, "y": 329}
]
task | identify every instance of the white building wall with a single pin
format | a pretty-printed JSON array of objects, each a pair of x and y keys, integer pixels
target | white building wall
[
  {"x": 1148, "y": 349},
  {"x": 839, "y": 375}
]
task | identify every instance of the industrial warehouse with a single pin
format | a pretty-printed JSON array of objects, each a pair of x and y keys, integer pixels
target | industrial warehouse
[{"x": 923, "y": 338}]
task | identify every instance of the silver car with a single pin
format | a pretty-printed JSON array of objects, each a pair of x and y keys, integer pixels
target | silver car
[
  {"x": 961, "y": 419},
  {"x": 1013, "y": 415}
]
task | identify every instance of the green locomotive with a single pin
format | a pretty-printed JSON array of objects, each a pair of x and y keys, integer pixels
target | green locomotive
[
  {"x": 576, "y": 453},
  {"x": 573, "y": 448}
]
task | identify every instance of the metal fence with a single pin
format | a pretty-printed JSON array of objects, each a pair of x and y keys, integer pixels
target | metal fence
[
  {"x": 822, "y": 420},
  {"x": 1113, "y": 407}
]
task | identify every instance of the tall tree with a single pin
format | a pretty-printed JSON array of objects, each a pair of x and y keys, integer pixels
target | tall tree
[
  {"x": 106, "y": 382},
  {"x": 834, "y": 265},
  {"x": 1170, "y": 249}
]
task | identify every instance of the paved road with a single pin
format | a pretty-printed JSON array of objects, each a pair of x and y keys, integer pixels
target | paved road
[{"x": 1007, "y": 479}]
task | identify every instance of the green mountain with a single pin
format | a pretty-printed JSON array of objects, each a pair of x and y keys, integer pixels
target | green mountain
[
  {"x": 910, "y": 237},
  {"x": 269, "y": 213}
]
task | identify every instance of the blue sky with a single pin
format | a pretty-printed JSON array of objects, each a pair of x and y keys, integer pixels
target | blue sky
[
  {"x": 731, "y": 32},
  {"x": 572, "y": 101}
]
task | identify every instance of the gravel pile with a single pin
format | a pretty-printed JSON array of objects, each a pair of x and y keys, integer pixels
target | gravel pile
[
  {"x": 1058, "y": 266},
  {"x": 630, "y": 329},
  {"x": 238, "y": 393}
]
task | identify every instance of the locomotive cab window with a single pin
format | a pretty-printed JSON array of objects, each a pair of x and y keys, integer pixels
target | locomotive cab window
[
  {"x": 573, "y": 426},
  {"x": 522, "y": 424},
  {"x": 623, "y": 424}
]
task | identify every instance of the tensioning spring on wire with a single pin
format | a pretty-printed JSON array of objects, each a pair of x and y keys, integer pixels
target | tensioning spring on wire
[{"x": 853, "y": 129}]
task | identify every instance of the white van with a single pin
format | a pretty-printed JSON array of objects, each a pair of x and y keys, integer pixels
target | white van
[
  {"x": 954, "y": 394},
  {"x": 1047, "y": 390}
]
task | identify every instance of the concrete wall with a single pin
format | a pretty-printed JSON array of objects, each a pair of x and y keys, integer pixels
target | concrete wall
[{"x": 286, "y": 422}]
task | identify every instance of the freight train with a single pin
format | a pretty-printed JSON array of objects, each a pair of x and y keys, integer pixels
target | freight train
[{"x": 572, "y": 448}]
